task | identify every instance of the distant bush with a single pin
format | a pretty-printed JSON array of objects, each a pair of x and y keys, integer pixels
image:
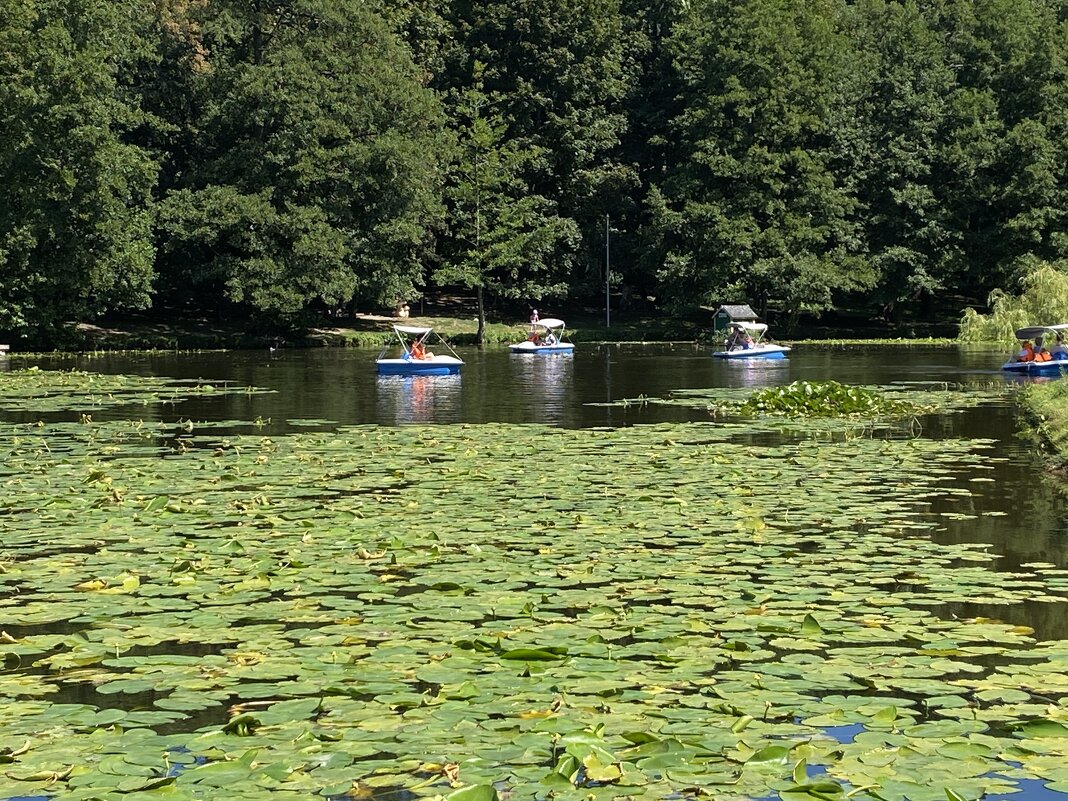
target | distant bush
[{"x": 1044, "y": 301}]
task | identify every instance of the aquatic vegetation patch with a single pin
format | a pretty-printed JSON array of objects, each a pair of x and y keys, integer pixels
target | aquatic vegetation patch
[
  {"x": 662, "y": 611},
  {"x": 828, "y": 399},
  {"x": 46, "y": 391},
  {"x": 828, "y": 407}
]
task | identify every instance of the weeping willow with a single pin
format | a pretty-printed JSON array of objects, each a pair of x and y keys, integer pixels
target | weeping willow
[{"x": 1043, "y": 301}]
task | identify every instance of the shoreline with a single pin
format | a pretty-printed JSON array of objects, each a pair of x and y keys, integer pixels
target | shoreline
[
  {"x": 186, "y": 332},
  {"x": 1044, "y": 412}
]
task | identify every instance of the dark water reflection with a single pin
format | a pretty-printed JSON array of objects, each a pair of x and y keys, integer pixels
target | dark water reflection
[
  {"x": 1022, "y": 513},
  {"x": 340, "y": 385}
]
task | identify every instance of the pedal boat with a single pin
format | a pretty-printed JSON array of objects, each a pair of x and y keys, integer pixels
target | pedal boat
[
  {"x": 1055, "y": 365},
  {"x": 735, "y": 348},
  {"x": 542, "y": 333},
  {"x": 414, "y": 358}
]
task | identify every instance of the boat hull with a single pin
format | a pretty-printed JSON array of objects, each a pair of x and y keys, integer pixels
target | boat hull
[
  {"x": 759, "y": 352},
  {"x": 544, "y": 350},
  {"x": 439, "y": 365},
  {"x": 1052, "y": 367}
]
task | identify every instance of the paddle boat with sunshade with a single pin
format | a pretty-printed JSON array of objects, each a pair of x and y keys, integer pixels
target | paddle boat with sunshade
[
  {"x": 546, "y": 337},
  {"x": 746, "y": 341},
  {"x": 1047, "y": 356},
  {"x": 415, "y": 357}
]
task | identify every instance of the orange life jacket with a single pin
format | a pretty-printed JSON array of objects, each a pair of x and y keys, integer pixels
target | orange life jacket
[{"x": 1028, "y": 354}]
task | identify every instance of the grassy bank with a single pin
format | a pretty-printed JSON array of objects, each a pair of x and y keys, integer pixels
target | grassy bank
[{"x": 1045, "y": 408}]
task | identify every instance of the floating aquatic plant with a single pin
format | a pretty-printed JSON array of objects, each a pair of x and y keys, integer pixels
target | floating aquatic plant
[
  {"x": 827, "y": 399},
  {"x": 406, "y": 610}
]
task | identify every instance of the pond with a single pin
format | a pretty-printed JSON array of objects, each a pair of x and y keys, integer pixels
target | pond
[
  {"x": 340, "y": 385},
  {"x": 569, "y": 589}
]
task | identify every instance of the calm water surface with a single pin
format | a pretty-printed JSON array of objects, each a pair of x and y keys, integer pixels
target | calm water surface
[
  {"x": 1023, "y": 514},
  {"x": 341, "y": 386}
]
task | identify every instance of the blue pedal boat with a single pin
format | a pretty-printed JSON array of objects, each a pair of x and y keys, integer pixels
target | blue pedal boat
[
  {"x": 1049, "y": 354},
  {"x": 415, "y": 358},
  {"x": 746, "y": 341},
  {"x": 546, "y": 338}
]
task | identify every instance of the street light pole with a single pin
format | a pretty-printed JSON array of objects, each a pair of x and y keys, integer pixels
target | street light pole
[{"x": 607, "y": 275}]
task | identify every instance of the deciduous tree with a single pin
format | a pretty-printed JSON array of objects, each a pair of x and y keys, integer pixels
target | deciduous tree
[
  {"x": 313, "y": 168},
  {"x": 75, "y": 219}
]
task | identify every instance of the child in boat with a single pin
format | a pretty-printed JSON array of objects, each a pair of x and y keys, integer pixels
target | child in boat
[
  {"x": 1027, "y": 352},
  {"x": 419, "y": 352},
  {"x": 1041, "y": 354},
  {"x": 550, "y": 339}
]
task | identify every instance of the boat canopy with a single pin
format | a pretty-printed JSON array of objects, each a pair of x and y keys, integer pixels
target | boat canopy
[
  {"x": 753, "y": 327},
  {"x": 550, "y": 322},
  {"x": 1032, "y": 331},
  {"x": 414, "y": 330}
]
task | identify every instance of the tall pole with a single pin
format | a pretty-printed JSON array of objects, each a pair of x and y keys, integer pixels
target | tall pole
[{"x": 607, "y": 276}]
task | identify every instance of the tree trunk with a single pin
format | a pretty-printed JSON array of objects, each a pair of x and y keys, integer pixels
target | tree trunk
[{"x": 481, "y": 335}]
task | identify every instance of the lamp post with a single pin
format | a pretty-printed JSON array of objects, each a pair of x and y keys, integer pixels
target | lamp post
[{"x": 607, "y": 274}]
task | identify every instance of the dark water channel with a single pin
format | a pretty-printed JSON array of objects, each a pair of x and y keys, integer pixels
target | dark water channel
[{"x": 1022, "y": 514}]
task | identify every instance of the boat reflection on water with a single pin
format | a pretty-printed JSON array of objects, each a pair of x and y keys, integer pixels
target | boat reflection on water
[
  {"x": 546, "y": 385},
  {"x": 756, "y": 373},
  {"x": 1024, "y": 378},
  {"x": 418, "y": 399}
]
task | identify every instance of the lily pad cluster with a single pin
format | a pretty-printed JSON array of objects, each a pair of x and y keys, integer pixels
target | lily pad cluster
[
  {"x": 826, "y": 399},
  {"x": 46, "y": 391},
  {"x": 412, "y": 612},
  {"x": 829, "y": 407}
]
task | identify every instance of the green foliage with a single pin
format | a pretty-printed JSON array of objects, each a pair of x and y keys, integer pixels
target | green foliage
[
  {"x": 825, "y": 399},
  {"x": 535, "y": 93},
  {"x": 1045, "y": 409},
  {"x": 1042, "y": 301},
  {"x": 1006, "y": 141},
  {"x": 504, "y": 237},
  {"x": 753, "y": 204},
  {"x": 900, "y": 82},
  {"x": 302, "y": 156},
  {"x": 312, "y": 167},
  {"x": 75, "y": 236}
]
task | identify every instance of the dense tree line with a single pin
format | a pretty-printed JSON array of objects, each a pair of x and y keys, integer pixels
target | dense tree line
[{"x": 286, "y": 156}]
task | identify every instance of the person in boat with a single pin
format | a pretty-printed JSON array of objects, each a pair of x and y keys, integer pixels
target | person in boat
[
  {"x": 1041, "y": 354},
  {"x": 419, "y": 352},
  {"x": 735, "y": 339},
  {"x": 1059, "y": 350},
  {"x": 747, "y": 341},
  {"x": 550, "y": 339},
  {"x": 1027, "y": 352}
]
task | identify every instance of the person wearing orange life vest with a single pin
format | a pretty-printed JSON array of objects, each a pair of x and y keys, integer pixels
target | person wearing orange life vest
[
  {"x": 1027, "y": 353},
  {"x": 418, "y": 352},
  {"x": 1041, "y": 354}
]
